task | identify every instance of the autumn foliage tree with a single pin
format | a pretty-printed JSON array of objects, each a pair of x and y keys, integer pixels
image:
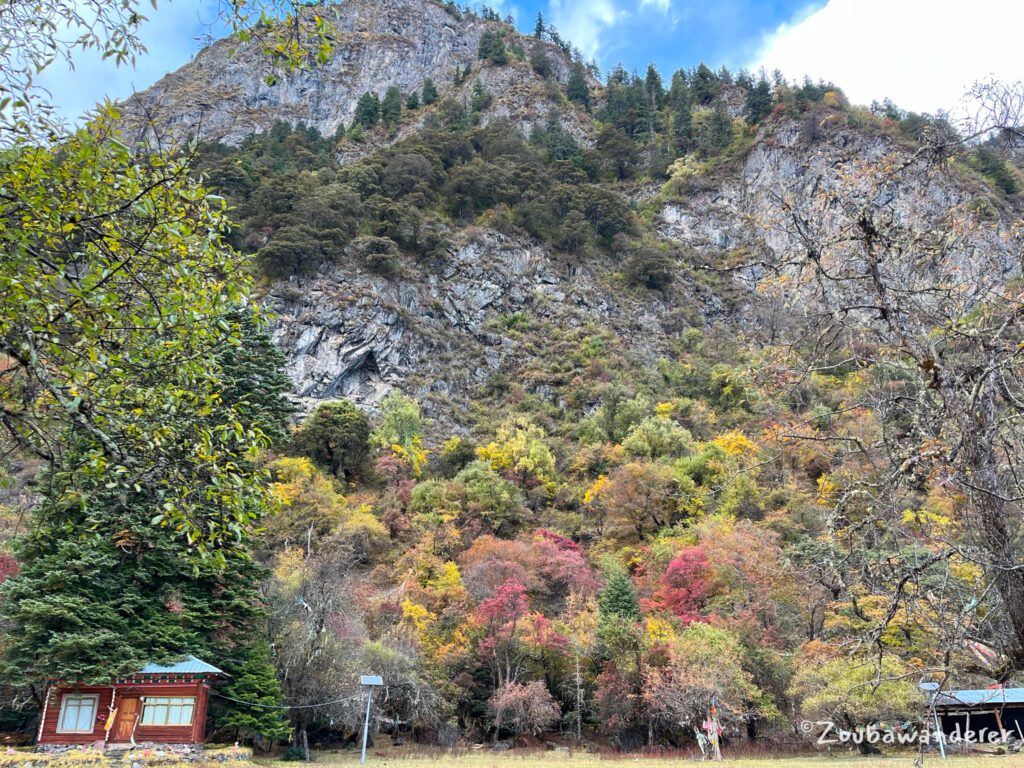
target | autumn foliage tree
[
  {"x": 684, "y": 587},
  {"x": 523, "y": 708}
]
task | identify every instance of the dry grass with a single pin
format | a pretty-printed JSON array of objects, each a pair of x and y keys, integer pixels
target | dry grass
[{"x": 540, "y": 759}]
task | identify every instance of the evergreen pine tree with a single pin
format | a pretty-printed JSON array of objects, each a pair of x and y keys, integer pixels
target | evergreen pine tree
[
  {"x": 481, "y": 98},
  {"x": 492, "y": 48},
  {"x": 413, "y": 102},
  {"x": 391, "y": 107},
  {"x": 618, "y": 625},
  {"x": 103, "y": 588},
  {"x": 367, "y": 110},
  {"x": 682, "y": 119},
  {"x": 996, "y": 168},
  {"x": 429, "y": 92},
  {"x": 704, "y": 85},
  {"x": 619, "y": 598},
  {"x": 576, "y": 89},
  {"x": 538, "y": 29},
  {"x": 759, "y": 101},
  {"x": 253, "y": 681},
  {"x": 653, "y": 86},
  {"x": 715, "y": 133},
  {"x": 255, "y": 378}
]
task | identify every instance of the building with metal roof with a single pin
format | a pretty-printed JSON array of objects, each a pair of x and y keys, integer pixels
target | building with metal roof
[
  {"x": 978, "y": 715},
  {"x": 190, "y": 666},
  {"x": 159, "y": 704}
]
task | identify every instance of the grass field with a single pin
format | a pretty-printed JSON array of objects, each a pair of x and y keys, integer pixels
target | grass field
[{"x": 538, "y": 759}]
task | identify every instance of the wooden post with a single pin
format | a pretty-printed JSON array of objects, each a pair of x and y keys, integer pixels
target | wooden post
[
  {"x": 42, "y": 716},
  {"x": 967, "y": 733}
]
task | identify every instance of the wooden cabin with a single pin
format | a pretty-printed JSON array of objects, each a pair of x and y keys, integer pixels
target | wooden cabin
[
  {"x": 159, "y": 705},
  {"x": 969, "y": 716}
]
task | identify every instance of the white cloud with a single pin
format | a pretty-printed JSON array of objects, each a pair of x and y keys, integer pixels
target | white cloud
[
  {"x": 661, "y": 5},
  {"x": 169, "y": 34},
  {"x": 923, "y": 54},
  {"x": 584, "y": 22}
]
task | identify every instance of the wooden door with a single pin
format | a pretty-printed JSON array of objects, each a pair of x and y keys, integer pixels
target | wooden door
[{"x": 127, "y": 711}]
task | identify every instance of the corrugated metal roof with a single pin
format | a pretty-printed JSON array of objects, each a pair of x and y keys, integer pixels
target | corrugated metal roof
[
  {"x": 191, "y": 665},
  {"x": 980, "y": 697}
]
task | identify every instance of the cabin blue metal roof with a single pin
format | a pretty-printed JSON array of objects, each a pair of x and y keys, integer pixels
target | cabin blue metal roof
[
  {"x": 980, "y": 697},
  {"x": 190, "y": 666}
]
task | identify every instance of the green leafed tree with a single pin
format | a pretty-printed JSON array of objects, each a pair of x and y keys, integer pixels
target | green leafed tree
[
  {"x": 116, "y": 296},
  {"x": 336, "y": 437},
  {"x": 400, "y": 429},
  {"x": 857, "y": 691},
  {"x": 540, "y": 62}
]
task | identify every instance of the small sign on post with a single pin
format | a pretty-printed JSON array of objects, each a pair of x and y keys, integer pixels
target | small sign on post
[{"x": 369, "y": 682}]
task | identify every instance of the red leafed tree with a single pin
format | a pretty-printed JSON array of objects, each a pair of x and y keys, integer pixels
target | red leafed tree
[
  {"x": 523, "y": 709},
  {"x": 500, "y": 616},
  {"x": 685, "y": 585},
  {"x": 563, "y": 567},
  {"x": 8, "y": 566},
  {"x": 540, "y": 633},
  {"x": 551, "y": 567}
]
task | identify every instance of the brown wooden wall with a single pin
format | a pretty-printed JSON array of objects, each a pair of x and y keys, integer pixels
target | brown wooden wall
[
  {"x": 162, "y": 734},
  {"x": 49, "y": 735}
]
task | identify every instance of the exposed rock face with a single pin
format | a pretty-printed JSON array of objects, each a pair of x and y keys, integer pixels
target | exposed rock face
[
  {"x": 743, "y": 210},
  {"x": 439, "y": 334},
  {"x": 439, "y": 331},
  {"x": 221, "y": 94}
]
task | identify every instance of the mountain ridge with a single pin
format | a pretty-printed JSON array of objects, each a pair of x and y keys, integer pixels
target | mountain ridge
[{"x": 222, "y": 95}]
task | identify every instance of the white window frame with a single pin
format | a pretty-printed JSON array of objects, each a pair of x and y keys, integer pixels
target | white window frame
[
  {"x": 167, "y": 703},
  {"x": 78, "y": 697}
]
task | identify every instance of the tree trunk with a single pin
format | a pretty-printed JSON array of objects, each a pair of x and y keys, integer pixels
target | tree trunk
[
  {"x": 997, "y": 539},
  {"x": 982, "y": 482},
  {"x": 579, "y": 700}
]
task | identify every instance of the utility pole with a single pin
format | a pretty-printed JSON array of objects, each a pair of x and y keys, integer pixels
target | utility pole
[{"x": 369, "y": 682}]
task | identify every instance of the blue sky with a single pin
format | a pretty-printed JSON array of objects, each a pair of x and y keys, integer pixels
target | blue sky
[{"x": 923, "y": 54}]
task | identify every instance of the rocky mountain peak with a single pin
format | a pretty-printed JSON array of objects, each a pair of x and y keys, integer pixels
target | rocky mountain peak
[{"x": 222, "y": 94}]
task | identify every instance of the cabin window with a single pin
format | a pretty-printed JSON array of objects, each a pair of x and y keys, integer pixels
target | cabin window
[
  {"x": 168, "y": 710},
  {"x": 77, "y": 713}
]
